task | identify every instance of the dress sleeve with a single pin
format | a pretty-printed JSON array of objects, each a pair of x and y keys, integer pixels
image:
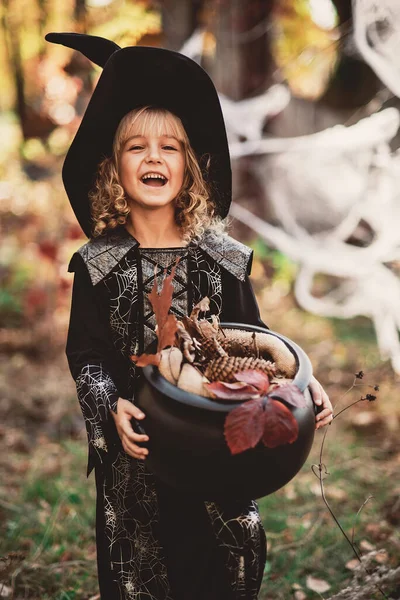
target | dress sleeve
[
  {"x": 240, "y": 304},
  {"x": 89, "y": 350}
]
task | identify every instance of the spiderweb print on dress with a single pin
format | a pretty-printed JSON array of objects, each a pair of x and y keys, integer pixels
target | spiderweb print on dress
[
  {"x": 206, "y": 275},
  {"x": 96, "y": 394},
  {"x": 131, "y": 516},
  {"x": 242, "y": 540},
  {"x": 123, "y": 304}
]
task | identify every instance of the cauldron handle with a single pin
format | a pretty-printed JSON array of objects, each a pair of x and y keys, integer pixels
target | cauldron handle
[{"x": 138, "y": 428}]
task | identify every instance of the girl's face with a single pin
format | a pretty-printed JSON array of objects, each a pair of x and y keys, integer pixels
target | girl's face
[{"x": 151, "y": 168}]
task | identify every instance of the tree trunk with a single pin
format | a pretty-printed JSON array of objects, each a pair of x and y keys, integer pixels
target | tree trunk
[
  {"x": 80, "y": 15},
  {"x": 12, "y": 44},
  {"x": 354, "y": 83},
  {"x": 243, "y": 64},
  {"x": 179, "y": 20},
  {"x": 243, "y": 67}
]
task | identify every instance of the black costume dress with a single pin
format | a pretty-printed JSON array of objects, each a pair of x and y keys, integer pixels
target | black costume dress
[{"x": 152, "y": 542}]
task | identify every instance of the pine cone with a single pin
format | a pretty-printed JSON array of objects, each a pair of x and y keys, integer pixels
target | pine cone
[
  {"x": 223, "y": 368},
  {"x": 269, "y": 346},
  {"x": 211, "y": 348},
  {"x": 236, "y": 348}
]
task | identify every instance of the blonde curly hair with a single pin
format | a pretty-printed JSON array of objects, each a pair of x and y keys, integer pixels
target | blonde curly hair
[{"x": 195, "y": 211}]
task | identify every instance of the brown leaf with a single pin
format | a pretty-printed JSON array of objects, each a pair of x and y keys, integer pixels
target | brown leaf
[
  {"x": 166, "y": 323},
  {"x": 244, "y": 426},
  {"x": 317, "y": 585},
  {"x": 381, "y": 556},
  {"x": 147, "y": 359},
  {"x": 202, "y": 306},
  {"x": 291, "y": 394},
  {"x": 166, "y": 335},
  {"x": 161, "y": 304},
  {"x": 233, "y": 391},
  {"x": 191, "y": 326},
  {"x": 352, "y": 564},
  {"x": 280, "y": 426},
  {"x": 256, "y": 378}
]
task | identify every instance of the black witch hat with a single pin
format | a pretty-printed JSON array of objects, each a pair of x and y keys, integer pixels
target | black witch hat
[{"x": 133, "y": 77}]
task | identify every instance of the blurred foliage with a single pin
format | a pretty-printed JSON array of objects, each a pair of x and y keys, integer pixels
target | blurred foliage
[
  {"x": 46, "y": 88},
  {"x": 305, "y": 51}
]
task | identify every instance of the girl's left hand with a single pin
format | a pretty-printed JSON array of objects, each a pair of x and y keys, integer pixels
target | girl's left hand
[{"x": 321, "y": 398}]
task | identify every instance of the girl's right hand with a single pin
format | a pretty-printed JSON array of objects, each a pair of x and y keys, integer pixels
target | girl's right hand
[{"x": 126, "y": 410}]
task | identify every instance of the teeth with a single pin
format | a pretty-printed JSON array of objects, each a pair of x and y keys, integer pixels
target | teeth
[{"x": 153, "y": 176}]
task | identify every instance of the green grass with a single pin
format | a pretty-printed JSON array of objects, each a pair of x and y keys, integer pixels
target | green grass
[{"x": 52, "y": 523}]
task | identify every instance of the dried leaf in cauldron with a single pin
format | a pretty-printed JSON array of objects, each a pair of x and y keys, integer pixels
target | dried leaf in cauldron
[
  {"x": 257, "y": 420},
  {"x": 280, "y": 426},
  {"x": 249, "y": 384},
  {"x": 166, "y": 322},
  {"x": 290, "y": 393},
  {"x": 244, "y": 426},
  {"x": 239, "y": 390}
]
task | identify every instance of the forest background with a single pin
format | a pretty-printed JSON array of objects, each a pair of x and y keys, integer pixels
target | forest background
[{"x": 47, "y": 545}]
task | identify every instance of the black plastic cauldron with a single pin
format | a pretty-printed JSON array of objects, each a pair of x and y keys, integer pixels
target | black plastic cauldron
[{"x": 187, "y": 448}]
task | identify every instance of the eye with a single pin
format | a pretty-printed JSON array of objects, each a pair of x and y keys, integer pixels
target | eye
[
  {"x": 136, "y": 147},
  {"x": 169, "y": 148}
]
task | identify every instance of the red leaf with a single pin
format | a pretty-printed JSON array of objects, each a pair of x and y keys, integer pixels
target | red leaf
[
  {"x": 244, "y": 426},
  {"x": 280, "y": 426},
  {"x": 254, "y": 377},
  {"x": 233, "y": 391},
  {"x": 291, "y": 394},
  {"x": 146, "y": 359}
]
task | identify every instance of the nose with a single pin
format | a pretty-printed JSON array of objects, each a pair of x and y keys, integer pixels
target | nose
[{"x": 153, "y": 154}]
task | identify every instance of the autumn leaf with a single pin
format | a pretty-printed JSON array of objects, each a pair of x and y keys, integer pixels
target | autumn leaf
[
  {"x": 202, "y": 306},
  {"x": 147, "y": 359},
  {"x": 244, "y": 426},
  {"x": 254, "y": 377},
  {"x": 161, "y": 304},
  {"x": 166, "y": 323},
  {"x": 260, "y": 419},
  {"x": 201, "y": 328},
  {"x": 280, "y": 426},
  {"x": 317, "y": 585},
  {"x": 291, "y": 394},
  {"x": 238, "y": 390}
]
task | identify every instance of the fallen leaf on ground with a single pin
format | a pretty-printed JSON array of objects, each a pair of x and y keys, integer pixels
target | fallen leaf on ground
[
  {"x": 366, "y": 546},
  {"x": 317, "y": 585},
  {"x": 352, "y": 564},
  {"x": 381, "y": 557}
]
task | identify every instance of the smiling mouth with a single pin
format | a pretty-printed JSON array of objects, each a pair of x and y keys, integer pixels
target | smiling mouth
[{"x": 154, "y": 180}]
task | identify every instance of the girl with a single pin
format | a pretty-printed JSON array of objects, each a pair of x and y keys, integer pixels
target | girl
[{"x": 148, "y": 177}]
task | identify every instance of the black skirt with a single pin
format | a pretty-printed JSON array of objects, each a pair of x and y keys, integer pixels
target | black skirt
[{"x": 154, "y": 543}]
